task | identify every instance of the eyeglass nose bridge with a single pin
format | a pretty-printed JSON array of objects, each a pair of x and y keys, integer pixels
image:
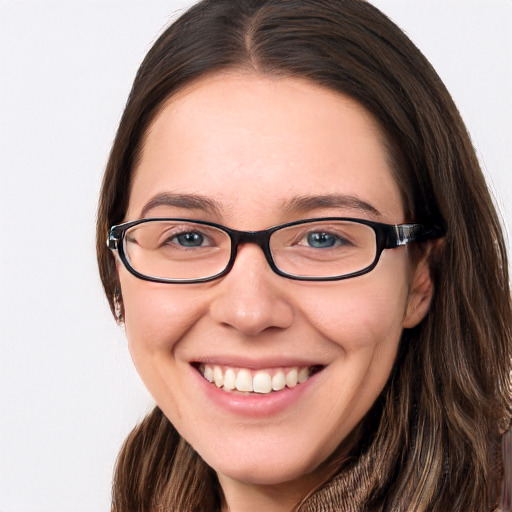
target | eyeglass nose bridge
[{"x": 259, "y": 238}]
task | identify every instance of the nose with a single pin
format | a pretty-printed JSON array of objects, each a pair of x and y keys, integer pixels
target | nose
[{"x": 251, "y": 298}]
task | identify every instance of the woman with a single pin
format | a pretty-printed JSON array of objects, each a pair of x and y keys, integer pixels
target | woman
[{"x": 359, "y": 358}]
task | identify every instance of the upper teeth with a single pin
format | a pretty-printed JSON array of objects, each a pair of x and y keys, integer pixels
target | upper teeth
[{"x": 261, "y": 381}]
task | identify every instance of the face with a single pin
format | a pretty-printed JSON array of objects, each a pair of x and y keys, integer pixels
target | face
[{"x": 246, "y": 148}]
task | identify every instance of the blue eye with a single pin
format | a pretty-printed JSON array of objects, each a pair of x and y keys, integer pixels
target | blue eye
[
  {"x": 190, "y": 239},
  {"x": 322, "y": 240}
]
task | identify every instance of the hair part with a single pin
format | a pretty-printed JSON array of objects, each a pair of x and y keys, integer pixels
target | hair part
[{"x": 449, "y": 395}]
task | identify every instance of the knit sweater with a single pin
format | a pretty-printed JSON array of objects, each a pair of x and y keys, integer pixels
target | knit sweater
[
  {"x": 335, "y": 497},
  {"x": 347, "y": 491}
]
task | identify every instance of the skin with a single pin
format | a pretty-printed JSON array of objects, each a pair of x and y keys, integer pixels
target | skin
[{"x": 251, "y": 143}]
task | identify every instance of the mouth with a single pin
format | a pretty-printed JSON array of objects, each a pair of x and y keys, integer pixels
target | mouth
[{"x": 261, "y": 381}]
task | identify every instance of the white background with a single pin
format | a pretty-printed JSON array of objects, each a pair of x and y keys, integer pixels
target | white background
[{"x": 68, "y": 393}]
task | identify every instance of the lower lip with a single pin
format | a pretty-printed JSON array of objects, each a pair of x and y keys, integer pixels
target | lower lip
[{"x": 254, "y": 405}]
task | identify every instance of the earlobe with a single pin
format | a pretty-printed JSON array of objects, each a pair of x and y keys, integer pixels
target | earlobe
[{"x": 421, "y": 290}]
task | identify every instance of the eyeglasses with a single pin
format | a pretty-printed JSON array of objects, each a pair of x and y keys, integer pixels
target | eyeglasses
[{"x": 169, "y": 250}]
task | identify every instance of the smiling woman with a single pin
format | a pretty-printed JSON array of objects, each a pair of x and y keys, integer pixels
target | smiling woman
[{"x": 289, "y": 204}]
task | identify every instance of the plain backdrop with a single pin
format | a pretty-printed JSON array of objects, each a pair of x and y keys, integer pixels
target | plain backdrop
[{"x": 68, "y": 392}]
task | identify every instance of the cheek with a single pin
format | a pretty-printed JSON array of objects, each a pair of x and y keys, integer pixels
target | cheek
[
  {"x": 157, "y": 315},
  {"x": 363, "y": 315},
  {"x": 363, "y": 318}
]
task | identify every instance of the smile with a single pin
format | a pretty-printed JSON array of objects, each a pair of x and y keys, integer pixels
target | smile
[{"x": 256, "y": 381}]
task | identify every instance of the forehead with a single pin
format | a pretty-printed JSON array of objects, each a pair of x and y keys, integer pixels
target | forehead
[{"x": 247, "y": 141}]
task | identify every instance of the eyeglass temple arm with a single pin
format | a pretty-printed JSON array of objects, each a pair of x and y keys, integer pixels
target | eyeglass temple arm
[
  {"x": 112, "y": 239},
  {"x": 402, "y": 234}
]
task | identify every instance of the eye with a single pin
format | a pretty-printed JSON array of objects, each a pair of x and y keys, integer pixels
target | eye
[
  {"x": 322, "y": 240},
  {"x": 189, "y": 239}
]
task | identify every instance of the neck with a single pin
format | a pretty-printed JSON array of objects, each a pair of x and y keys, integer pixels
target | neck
[
  {"x": 282, "y": 497},
  {"x": 239, "y": 496}
]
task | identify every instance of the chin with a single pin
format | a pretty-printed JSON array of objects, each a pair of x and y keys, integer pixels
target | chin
[
  {"x": 270, "y": 468},
  {"x": 263, "y": 476}
]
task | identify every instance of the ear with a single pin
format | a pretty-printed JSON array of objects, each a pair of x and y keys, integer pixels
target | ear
[
  {"x": 421, "y": 286},
  {"x": 117, "y": 297}
]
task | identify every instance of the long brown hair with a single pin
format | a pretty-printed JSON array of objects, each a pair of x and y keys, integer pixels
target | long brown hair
[{"x": 430, "y": 442}]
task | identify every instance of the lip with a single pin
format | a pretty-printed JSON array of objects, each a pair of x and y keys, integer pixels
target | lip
[
  {"x": 256, "y": 364},
  {"x": 253, "y": 405}
]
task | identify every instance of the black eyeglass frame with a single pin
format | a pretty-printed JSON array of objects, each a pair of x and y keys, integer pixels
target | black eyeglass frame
[{"x": 388, "y": 236}]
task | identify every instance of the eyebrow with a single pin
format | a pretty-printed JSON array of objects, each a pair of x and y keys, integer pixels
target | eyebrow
[
  {"x": 303, "y": 204},
  {"x": 299, "y": 204},
  {"x": 187, "y": 201}
]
